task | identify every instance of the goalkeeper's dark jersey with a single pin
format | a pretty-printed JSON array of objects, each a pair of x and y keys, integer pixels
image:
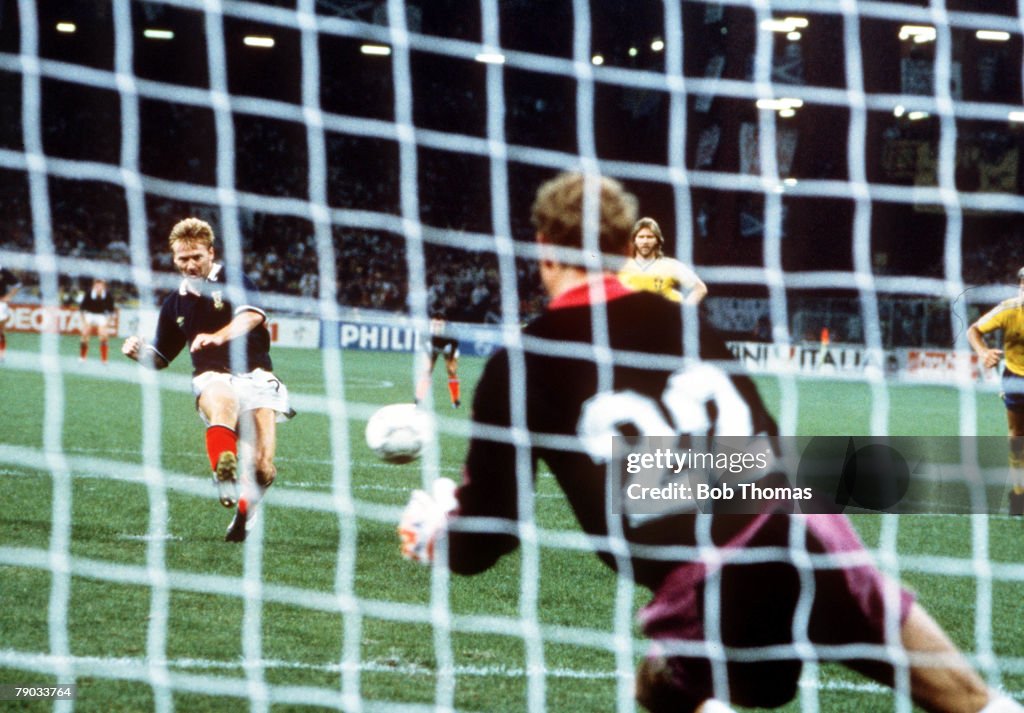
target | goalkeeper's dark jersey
[
  {"x": 559, "y": 376},
  {"x": 203, "y": 307},
  {"x": 97, "y": 303}
]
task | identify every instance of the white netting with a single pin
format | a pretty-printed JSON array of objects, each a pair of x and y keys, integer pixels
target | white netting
[{"x": 380, "y": 159}]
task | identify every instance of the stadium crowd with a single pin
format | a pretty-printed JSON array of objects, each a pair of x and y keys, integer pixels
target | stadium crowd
[
  {"x": 89, "y": 221},
  {"x": 89, "y": 218},
  {"x": 280, "y": 255}
]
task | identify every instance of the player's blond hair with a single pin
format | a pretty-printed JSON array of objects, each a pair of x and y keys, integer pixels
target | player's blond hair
[
  {"x": 191, "y": 230},
  {"x": 652, "y": 225},
  {"x": 557, "y": 212}
]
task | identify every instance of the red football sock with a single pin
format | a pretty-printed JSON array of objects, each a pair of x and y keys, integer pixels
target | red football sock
[
  {"x": 83, "y": 349},
  {"x": 219, "y": 439},
  {"x": 453, "y": 388},
  {"x": 104, "y": 351},
  {"x": 3, "y": 344}
]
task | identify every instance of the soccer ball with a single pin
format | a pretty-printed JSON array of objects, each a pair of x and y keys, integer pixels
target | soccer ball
[{"x": 396, "y": 433}]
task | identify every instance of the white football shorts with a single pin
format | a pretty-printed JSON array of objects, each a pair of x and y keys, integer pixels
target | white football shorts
[
  {"x": 96, "y": 319},
  {"x": 256, "y": 389},
  {"x": 5, "y": 312}
]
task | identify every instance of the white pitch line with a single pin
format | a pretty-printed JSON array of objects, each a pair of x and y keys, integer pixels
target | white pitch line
[
  {"x": 396, "y": 665},
  {"x": 301, "y": 460},
  {"x": 396, "y": 489},
  {"x": 390, "y": 664},
  {"x": 150, "y": 538},
  {"x": 358, "y": 381},
  {"x": 325, "y": 486}
]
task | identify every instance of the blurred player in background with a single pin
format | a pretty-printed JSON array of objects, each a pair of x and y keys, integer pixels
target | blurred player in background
[
  {"x": 9, "y": 285},
  {"x": 97, "y": 308},
  {"x": 216, "y": 315},
  {"x": 574, "y": 394},
  {"x": 436, "y": 344},
  {"x": 649, "y": 269},
  {"x": 1008, "y": 316}
]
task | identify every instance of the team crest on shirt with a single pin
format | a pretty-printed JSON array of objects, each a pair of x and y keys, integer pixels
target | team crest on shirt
[
  {"x": 180, "y": 321},
  {"x": 218, "y": 299}
]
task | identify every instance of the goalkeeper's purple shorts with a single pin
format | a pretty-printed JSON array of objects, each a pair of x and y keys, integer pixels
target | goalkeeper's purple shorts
[{"x": 828, "y": 592}]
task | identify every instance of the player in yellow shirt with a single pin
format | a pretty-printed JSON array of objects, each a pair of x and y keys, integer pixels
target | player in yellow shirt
[
  {"x": 1008, "y": 316},
  {"x": 649, "y": 269}
]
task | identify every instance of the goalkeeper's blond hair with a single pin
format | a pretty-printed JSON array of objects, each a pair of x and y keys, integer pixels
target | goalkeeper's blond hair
[
  {"x": 191, "y": 230},
  {"x": 558, "y": 214}
]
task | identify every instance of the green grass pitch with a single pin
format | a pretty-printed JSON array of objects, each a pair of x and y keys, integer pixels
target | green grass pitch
[{"x": 331, "y": 612}]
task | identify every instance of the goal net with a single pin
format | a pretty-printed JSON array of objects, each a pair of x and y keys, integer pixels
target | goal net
[{"x": 843, "y": 175}]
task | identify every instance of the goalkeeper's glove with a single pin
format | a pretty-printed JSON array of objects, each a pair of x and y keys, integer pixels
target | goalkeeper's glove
[{"x": 425, "y": 519}]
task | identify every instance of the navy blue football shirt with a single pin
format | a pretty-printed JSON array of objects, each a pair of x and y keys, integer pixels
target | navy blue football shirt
[
  {"x": 97, "y": 304},
  {"x": 8, "y": 281},
  {"x": 203, "y": 307}
]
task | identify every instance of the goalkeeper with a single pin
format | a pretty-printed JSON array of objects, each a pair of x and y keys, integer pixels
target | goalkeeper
[
  {"x": 218, "y": 319},
  {"x": 575, "y": 396},
  {"x": 1008, "y": 316}
]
